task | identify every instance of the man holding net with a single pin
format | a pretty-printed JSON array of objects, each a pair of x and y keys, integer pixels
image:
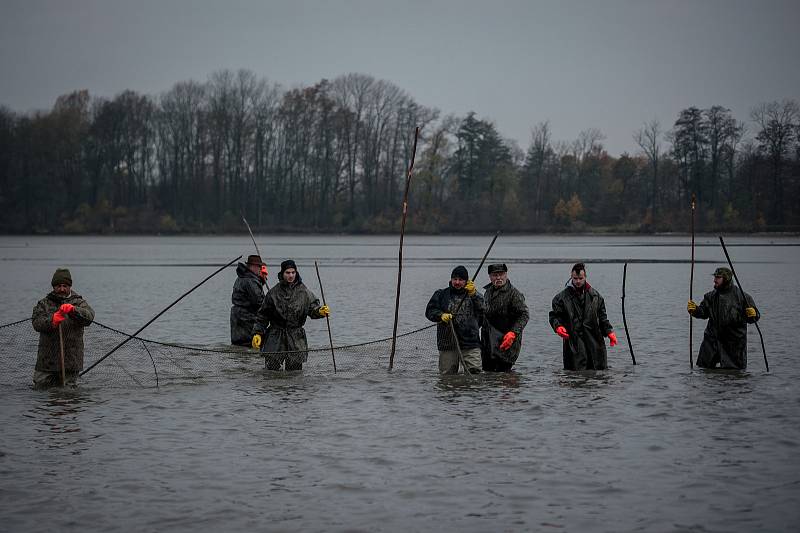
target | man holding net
[
  {"x": 62, "y": 314},
  {"x": 460, "y": 304}
]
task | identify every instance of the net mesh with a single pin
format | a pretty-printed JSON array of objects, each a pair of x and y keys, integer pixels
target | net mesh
[{"x": 142, "y": 362}]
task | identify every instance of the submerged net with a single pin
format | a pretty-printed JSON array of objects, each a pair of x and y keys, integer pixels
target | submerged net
[{"x": 148, "y": 363}]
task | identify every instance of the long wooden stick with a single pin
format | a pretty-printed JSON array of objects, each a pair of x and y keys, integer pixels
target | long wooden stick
[
  {"x": 256, "y": 245},
  {"x": 400, "y": 252},
  {"x": 624, "y": 320},
  {"x": 184, "y": 295},
  {"x": 691, "y": 289},
  {"x": 61, "y": 345},
  {"x": 327, "y": 319},
  {"x": 730, "y": 263}
]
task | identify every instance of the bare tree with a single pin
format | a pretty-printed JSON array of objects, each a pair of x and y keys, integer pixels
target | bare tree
[{"x": 648, "y": 139}]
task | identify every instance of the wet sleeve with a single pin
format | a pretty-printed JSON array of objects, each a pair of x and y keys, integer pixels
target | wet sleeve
[
  {"x": 432, "y": 311},
  {"x": 42, "y": 320},
  {"x": 557, "y": 312},
  {"x": 262, "y": 317},
  {"x": 82, "y": 314},
  {"x": 313, "y": 305},
  {"x": 520, "y": 311},
  {"x": 751, "y": 303},
  {"x": 702, "y": 310},
  {"x": 602, "y": 317},
  {"x": 254, "y": 295},
  {"x": 478, "y": 306}
]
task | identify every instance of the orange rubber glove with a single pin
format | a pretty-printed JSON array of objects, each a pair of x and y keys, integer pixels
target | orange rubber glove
[
  {"x": 66, "y": 308},
  {"x": 264, "y": 272},
  {"x": 508, "y": 340},
  {"x": 613, "y": 338},
  {"x": 58, "y": 318},
  {"x": 561, "y": 331}
]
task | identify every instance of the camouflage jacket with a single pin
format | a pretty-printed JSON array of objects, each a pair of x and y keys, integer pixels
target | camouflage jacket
[
  {"x": 49, "y": 355},
  {"x": 583, "y": 315},
  {"x": 283, "y": 314},
  {"x": 505, "y": 310},
  {"x": 467, "y": 321},
  {"x": 246, "y": 299},
  {"x": 725, "y": 338}
]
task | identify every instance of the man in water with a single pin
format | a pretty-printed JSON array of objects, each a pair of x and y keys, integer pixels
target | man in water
[
  {"x": 728, "y": 310},
  {"x": 246, "y": 299},
  {"x": 281, "y": 318},
  {"x": 579, "y": 318},
  {"x": 65, "y": 310},
  {"x": 505, "y": 316},
  {"x": 460, "y": 304}
]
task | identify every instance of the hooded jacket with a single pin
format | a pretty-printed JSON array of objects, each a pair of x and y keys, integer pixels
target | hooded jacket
[
  {"x": 725, "y": 337},
  {"x": 246, "y": 299},
  {"x": 583, "y": 315},
  {"x": 466, "y": 323}
]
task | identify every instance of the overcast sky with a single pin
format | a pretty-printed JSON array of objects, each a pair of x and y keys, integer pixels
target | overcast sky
[{"x": 610, "y": 65}]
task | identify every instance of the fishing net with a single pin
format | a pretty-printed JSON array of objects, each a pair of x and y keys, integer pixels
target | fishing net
[{"x": 149, "y": 363}]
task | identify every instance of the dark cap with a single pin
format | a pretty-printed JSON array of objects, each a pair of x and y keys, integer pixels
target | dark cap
[
  {"x": 254, "y": 260},
  {"x": 287, "y": 264},
  {"x": 460, "y": 272},
  {"x": 497, "y": 267},
  {"x": 724, "y": 273},
  {"x": 61, "y": 276}
]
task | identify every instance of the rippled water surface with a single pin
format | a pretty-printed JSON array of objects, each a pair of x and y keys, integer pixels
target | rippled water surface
[{"x": 651, "y": 447}]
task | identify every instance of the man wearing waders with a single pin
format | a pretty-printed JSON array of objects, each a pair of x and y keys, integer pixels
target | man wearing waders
[
  {"x": 246, "y": 298},
  {"x": 281, "y": 318},
  {"x": 460, "y": 304},
  {"x": 579, "y": 318},
  {"x": 505, "y": 316},
  {"x": 67, "y": 310},
  {"x": 728, "y": 310}
]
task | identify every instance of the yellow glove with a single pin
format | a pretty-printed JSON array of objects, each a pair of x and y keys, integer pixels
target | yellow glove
[
  {"x": 256, "y": 343},
  {"x": 691, "y": 307},
  {"x": 324, "y": 311},
  {"x": 446, "y": 317},
  {"x": 470, "y": 286},
  {"x": 750, "y": 312}
]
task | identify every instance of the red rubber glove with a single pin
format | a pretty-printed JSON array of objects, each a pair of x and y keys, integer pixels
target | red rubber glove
[
  {"x": 508, "y": 340},
  {"x": 264, "y": 272},
  {"x": 613, "y": 338},
  {"x": 561, "y": 331},
  {"x": 66, "y": 308},
  {"x": 58, "y": 318}
]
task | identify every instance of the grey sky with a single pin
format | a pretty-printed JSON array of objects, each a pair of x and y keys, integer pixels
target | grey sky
[{"x": 610, "y": 65}]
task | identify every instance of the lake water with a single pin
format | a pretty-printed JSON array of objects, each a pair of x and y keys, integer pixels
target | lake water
[{"x": 651, "y": 447}]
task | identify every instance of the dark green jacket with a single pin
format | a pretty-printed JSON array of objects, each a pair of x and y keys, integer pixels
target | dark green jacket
[
  {"x": 246, "y": 299},
  {"x": 282, "y": 315},
  {"x": 467, "y": 321},
  {"x": 49, "y": 355},
  {"x": 725, "y": 338},
  {"x": 505, "y": 310},
  {"x": 584, "y": 317}
]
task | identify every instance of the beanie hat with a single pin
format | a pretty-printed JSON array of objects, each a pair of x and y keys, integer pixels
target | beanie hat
[
  {"x": 497, "y": 267},
  {"x": 288, "y": 264},
  {"x": 460, "y": 272},
  {"x": 724, "y": 273},
  {"x": 61, "y": 276}
]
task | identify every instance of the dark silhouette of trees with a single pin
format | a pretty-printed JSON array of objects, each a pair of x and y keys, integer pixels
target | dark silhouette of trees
[{"x": 332, "y": 156}]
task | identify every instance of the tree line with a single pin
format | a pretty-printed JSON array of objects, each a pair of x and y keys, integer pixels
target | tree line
[{"x": 333, "y": 157}]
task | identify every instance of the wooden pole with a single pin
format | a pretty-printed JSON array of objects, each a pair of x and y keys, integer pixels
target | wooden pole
[
  {"x": 691, "y": 290},
  {"x": 400, "y": 251},
  {"x": 327, "y": 319},
  {"x": 118, "y": 346},
  {"x": 61, "y": 345},
  {"x": 256, "y": 245},
  {"x": 624, "y": 320},
  {"x": 730, "y": 263}
]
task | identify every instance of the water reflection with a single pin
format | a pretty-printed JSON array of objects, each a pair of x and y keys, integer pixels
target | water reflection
[
  {"x": 583, "y": 379},
  {"x": 59, "y": 416}
]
